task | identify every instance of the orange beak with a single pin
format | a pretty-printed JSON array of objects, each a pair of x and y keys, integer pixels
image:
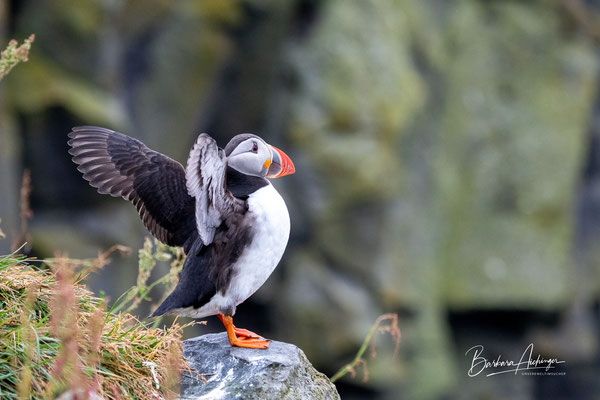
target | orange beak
[{"x": 281, "y": 165}]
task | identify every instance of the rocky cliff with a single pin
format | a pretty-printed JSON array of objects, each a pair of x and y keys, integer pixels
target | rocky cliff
[{"x": 225, "y": 372}]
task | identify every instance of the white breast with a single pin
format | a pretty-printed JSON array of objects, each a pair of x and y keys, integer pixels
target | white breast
[{"x": 271, "y": 233}]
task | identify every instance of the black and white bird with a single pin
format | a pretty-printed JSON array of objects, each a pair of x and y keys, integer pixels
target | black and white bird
[{"x": 231, "y": 222}]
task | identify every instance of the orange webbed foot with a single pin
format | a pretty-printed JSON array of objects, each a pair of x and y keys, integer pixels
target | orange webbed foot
[
  {"x": 246, "y": 333},
  {"x": 247, "y": 339},
  {"x": 250, "y": 343}
]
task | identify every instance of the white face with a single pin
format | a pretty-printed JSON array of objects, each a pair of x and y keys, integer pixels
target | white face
[{"x": 251, "y": 157}]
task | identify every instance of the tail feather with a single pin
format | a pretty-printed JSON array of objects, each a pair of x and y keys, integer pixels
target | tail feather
[{"x": 162, "y": 309}]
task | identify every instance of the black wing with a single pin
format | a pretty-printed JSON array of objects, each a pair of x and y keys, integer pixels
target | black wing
[{"x": 119, "y": 165}]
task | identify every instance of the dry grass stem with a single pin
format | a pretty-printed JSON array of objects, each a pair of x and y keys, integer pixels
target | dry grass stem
[{"x": 26, "y": 213}]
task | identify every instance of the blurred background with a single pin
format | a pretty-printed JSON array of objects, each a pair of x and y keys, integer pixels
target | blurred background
[{"x": 447, "y": 156}]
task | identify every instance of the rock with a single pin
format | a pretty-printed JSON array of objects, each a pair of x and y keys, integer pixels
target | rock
[{"x": 281, "y": 372}]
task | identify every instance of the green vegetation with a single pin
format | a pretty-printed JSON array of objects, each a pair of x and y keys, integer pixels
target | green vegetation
[
  {"x": 152, "y": 252},
  {"x": 386, "y": 323},
  {"x": 55, "y": 336},
  {"x": 14, "y": 54}
]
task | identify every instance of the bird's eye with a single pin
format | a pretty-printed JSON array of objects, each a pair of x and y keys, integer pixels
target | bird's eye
[{"x": 254, "y": 148}]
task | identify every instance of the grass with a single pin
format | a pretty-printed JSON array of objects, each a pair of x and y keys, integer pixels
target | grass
[{"x": 56, "y": 336}]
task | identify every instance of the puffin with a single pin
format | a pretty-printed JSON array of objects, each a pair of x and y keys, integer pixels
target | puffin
[{"x": 221, "y": 208}]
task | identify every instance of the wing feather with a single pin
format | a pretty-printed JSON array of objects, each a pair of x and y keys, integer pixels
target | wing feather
[
  {"x": 122, "y": 166},
  {"x": 205, "y": 179}
]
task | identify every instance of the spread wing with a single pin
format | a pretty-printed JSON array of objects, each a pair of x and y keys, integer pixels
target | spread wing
[
  {"x": 119, "y": 165},
  {"x": 205, "y": 176}
]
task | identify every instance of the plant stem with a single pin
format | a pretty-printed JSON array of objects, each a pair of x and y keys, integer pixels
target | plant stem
[{"x": 358, "y": 359}]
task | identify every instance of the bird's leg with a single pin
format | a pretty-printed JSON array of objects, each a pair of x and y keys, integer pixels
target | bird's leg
[
  {"x": 250, "y": 341},
  {"x": 245, "y": 333}
]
